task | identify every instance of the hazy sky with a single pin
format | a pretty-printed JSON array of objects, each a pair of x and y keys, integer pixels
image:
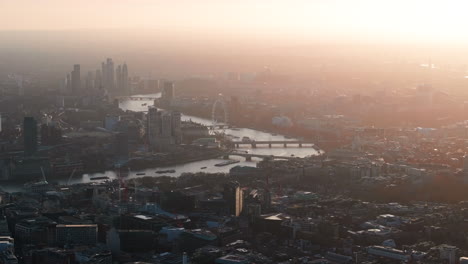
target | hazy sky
[{"x": 392, "y": 20}]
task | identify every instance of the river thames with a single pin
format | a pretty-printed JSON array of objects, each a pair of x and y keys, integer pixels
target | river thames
[{"x": 207, "y": 165}]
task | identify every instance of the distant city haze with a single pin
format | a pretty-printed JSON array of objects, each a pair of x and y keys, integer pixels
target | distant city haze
[
  {"x": 294, "y": 20},
  {"x": 180, "y": 38}
]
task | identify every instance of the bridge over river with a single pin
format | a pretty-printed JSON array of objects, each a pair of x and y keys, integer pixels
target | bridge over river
[
  {"x": 135, "y": 98},
  {"x": 249, "y": 156},
  {"x": 270, "y": 143}
]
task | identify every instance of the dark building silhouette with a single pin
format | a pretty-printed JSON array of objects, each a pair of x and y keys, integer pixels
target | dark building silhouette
[
  {"x": 122, "y": 78},
  {"x": 125, "y": 85},
  {"x": 50, "y": 135},
  {"x": 234, "y": 198},
  {"x": 168, "y": 93},
  {"x": 30, "y": 135},
  {"x": 76, "y": 79},
  {"x": 108, "y": 75}
]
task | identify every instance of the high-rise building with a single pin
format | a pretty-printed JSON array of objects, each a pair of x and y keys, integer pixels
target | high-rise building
[
  {"x": 166, "y": 125},
  {"x": 234, "y": 197},
  {"x": 168, "y": 93},
  {"x": 76, "y": 79},
  {"x": 163, "y": 129},
  {"x": 154, "y": 124},
  {"x": 110, "y": 68},
  {"x": 121, "y": 74},
  {"x": 108, "y": 75},
  {"x": 125, "y": 84},
  {"x": 118, "y": 75},
  {"x": 30, "y": 136},
  {"x": 176, "y": 119}
]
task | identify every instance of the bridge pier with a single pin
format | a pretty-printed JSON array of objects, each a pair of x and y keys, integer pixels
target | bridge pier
[
  {"x": 226, "y": 157},
  {"x": 254, "y": 145},
  {"x": 300, "y": 145},
  {"x": 269, "y": 145},
  {"x": 248, "y": 158},
  {"x": 285, "y": 145}
]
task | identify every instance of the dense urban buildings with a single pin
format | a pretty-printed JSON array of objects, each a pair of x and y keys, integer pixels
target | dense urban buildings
[
  {"x": 275, "y": 132},
  {"x": 163, "y": 128},
  {"x": 321, "y": 182},
  {"x": 30, "y": 136}
]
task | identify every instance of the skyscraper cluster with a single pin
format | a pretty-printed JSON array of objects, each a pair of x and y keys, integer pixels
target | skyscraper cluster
[
  {"x": 76, "y": 79},
  {"x": 163, "y": 129},
  {"x": 168, "y": 93},
  {"x": 113, "y": 80},
  {"x": 108, "y": 80},
  {"x": 122, "y": 77}
]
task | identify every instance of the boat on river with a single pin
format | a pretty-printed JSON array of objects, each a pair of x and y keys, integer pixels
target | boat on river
[
  {"x": 225, "y": 163},
  {"x": 246, "y": 139},
  {"x": 165, "y": 171},
  {"x": 99, "y": 178}
]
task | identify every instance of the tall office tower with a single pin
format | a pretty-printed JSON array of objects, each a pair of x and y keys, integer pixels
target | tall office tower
[
  {"x": 163, "y": 129},
  {"x": 30, "y": 135},
  {"x": 108, "y": 75},
  {"x": 234, "y": 198},
  {"x": 153, "y": 126},
  {"x": 166, "y": 125},
  {"x": 118, "y": 78},
  {"x": 104, "y": 75},
  {"x": 76, "y": 79},
  {"x": 111, "y": 72},
  {"x": 176, "y": 120},
  {"x": 125, "y": 84},
  {"x": 98, "y": 80},
  {"x": 168, "y": 93}
]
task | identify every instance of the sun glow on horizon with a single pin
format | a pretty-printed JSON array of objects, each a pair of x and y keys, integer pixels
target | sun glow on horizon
[{"x": 398, "y": 20}]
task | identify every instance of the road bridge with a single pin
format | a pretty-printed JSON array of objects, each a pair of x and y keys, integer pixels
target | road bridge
[
  {"x": 249, "y": 156},
  {"x": 270, "y": 143},
  {"x": 218, "y": 127},
  {"x": 136, "y": 98}
]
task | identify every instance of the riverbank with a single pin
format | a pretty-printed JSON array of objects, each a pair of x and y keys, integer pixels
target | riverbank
[{"x": 145, "y": 163}]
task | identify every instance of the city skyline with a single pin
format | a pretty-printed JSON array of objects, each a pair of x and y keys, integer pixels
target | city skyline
[
  {"x": 302, "y": 21},
  {"x": 241, "y": 132}
]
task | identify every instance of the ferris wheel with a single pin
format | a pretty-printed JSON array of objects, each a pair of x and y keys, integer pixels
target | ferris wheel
[{"x": 219, "y": 112}]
